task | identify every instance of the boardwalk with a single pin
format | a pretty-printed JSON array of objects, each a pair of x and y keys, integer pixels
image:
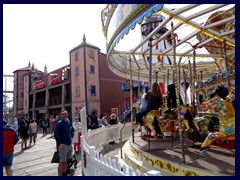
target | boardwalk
[{"x": 35, "y": 161}]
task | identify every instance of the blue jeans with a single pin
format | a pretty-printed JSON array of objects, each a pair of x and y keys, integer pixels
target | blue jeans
[{"x": 140, "y": 115}]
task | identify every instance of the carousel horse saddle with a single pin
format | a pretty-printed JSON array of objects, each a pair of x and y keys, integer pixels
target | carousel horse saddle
[{"x": 149, "y": 118}]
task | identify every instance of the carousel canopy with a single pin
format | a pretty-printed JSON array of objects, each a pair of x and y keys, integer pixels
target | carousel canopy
[{"x": 169, "y": 35}]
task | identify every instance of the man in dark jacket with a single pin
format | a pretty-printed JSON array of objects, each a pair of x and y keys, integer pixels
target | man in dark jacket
[
  {"x": 10, "y": 138},
  {"x": 62, "y": 135}
]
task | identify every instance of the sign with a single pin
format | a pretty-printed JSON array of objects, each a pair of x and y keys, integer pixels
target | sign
[
  {"x": 126, "y": 85},
  {"x": 39, "y": 85},
  {"x": 56, "y": 80},
  {"x": 42, "y": 111}
]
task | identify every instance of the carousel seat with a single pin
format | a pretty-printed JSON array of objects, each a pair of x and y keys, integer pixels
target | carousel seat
[{"x": 149, "y": 118}]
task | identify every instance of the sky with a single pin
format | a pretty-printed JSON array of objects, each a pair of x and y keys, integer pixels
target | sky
[{"x": 45, "y": 33}]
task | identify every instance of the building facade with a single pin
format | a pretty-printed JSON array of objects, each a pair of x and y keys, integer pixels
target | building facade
[{"x": 85, "y": 82}]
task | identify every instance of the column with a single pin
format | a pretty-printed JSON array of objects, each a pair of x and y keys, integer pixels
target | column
[
  {"x": 63, "y": 97},
  {"x": 33, "y": 106},
  {"x": 46, "y": 102}
]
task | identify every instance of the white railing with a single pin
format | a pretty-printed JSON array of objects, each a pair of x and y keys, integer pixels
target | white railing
[{"x": 94, "y": 163}]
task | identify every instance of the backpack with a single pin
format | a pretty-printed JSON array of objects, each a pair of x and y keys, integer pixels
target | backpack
[{"x": 45, "y": 123}]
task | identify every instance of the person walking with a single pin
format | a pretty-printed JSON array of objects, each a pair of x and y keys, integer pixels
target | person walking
[
  {"x": 45, "y": 124},
  {"x": 10, "y": 138},
  {"x": 62, "y": 135},
  {"x": 56, "y": 120},
  {"x": 15, "y": 124},
  {"x": 23, "y": 134},
  {"x": 94, "y": 119},
  {"x": 32, "y": 132},
  {"x": 52, "y": 125},
  {"x": 105, "y": 120},
  {"x": 77, "y": 134}
]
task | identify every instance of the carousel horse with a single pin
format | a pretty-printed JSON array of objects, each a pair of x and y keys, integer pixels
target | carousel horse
[
  {"x": 156, "y": 125},
  {"x": 188, "y": 124},
  {"x": 226, "y": 114},
  {"x": 231, "y": 96},
  {"x": 151, "y": 123},
  {"x": 206, "y": 125}
]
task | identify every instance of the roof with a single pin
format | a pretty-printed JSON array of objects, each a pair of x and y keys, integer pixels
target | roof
[
  {"x": 84, "y": 44},
  {"x": 23, "y": 69},
  {"x": 194, "y": 27}
]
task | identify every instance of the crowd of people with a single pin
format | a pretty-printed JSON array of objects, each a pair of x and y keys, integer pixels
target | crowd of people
[
  {"x": 26, "y": 129},
  {"x": 103, "y": 120},
  {"x": 66, "y": 133}
]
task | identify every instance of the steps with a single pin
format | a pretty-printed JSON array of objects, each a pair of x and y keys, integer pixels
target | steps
[
  {"x": 130, "y": 159},
  {"x": 165, "y": 156}
]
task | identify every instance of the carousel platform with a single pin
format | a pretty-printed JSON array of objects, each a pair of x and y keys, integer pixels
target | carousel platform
[{"x": 165, "y": 155}]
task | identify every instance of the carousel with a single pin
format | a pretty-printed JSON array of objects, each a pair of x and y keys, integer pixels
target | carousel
[{"x": 189, "y": 50}]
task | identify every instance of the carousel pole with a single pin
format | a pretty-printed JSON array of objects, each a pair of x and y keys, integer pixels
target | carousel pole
[
  {"x": 150, "y": 64},
  {"x": 139, "y": 84},
  {"x": 164, "y": 86},
  {"x": 226, "y": 65},
  {"x": 131, "y": 96},
  {"x": 176, "y": 82},
  {"x": 193, "y": 83},
  {"x": 156, "y": 74},
  {"x": 167, "y": 77},
  {"x": 185, "y": 89},
  {"x": 201, "y": 76}
]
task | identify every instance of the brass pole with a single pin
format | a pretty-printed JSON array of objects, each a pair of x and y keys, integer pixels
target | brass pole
[
  {"x": 124, "y": 116},
  {"x": 176, "y": 82},
  {"x": 193, "y": 83},
  {"x": 201, "y": 77},
  {"x": 156, "y": 74},
  {"x": 226, "y": 65},
  {"x": 139, "y": 84},
  {"x": 185, "y": 85},
  {"x": 167, "y": 77},
  {"x": 164, "y": 85},
  {"x": 131, "y": 97},
  {"x": 150, "y": 64}
]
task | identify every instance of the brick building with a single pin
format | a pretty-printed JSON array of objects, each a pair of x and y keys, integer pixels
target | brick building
[{"x": 86, "y": 81}]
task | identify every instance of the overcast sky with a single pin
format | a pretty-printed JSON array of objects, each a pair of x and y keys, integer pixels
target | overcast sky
[{"x": 44, "y": 34}]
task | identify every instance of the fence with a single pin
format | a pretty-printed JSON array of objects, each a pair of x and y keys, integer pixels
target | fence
[{"x": 94, "y": 163}]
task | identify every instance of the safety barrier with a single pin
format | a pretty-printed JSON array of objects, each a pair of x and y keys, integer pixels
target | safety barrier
[{"x": 94, "y": 163}]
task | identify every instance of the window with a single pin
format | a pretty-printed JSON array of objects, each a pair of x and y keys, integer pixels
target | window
[
  {"x": 93, "y": 90},
  {"x": 92, "y": 69},
  {"x": 76, "y": 56},
  {"x": 76, "y": 71},
  {"x": 77, "y": 91},
  {"x": 26, "y": 102},
  {"x": 91, "y": 54}
]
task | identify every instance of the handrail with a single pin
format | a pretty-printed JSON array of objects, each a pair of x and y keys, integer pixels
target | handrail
[{"x": 120, "y": 140}]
